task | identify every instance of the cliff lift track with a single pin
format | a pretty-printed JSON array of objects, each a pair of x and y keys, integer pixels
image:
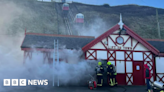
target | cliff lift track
[
  {"x": 72, "y": 13},
  {"x": 65, "y": 20},
  {"x": 56, "y": 8}
]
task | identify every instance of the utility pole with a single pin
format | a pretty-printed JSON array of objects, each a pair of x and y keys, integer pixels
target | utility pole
[{"x": 158, "y": 26}]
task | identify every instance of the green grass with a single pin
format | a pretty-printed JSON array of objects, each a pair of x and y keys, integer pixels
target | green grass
[{"x": 41, "y": 17}]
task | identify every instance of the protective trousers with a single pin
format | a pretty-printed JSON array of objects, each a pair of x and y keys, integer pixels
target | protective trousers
[
  {"x": 110, "y": 79},
  {"x": 114, "y": 80},
  {"x": 99, "y": 80}
]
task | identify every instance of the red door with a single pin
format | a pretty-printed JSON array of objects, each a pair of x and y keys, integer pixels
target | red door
[{"x": 138, "y": 73}]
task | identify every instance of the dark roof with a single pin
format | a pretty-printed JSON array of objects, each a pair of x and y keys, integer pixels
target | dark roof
[
  {"x": 47, "y": 41},
  {"x": 158, "y": 45}
]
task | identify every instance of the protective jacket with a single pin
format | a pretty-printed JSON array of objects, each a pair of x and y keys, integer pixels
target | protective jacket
[
  {"x": 147, "y": 73},
  {"x": 110, "y": 69},
  {"x": 99, "y": 70}
]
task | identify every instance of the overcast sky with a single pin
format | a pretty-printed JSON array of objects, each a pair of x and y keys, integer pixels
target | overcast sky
[{"x": 153, "y": 3}]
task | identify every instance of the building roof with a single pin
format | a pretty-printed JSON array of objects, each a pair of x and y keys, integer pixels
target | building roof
[
  {"x": 157, "y": 43},
  {"x": 46, "y": 41},
  {"x": 128, "y": 31}
]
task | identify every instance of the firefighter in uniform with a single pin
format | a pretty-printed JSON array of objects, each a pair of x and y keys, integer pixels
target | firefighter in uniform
[
  {"x": 111, "y": 74},
  {"x": 114, "y": 77},
  {"x": 99, "y": 74}
]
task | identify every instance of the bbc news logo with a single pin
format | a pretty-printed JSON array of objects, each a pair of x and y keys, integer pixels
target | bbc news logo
[{"x": 23, "y": 82}]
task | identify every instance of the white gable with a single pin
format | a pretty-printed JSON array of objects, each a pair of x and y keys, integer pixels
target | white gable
[
  {"x": 98, "y": 46},
  {"x": 129, "y": 43}
]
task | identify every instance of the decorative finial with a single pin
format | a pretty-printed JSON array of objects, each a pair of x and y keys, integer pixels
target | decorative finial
[{"x": 121, "y": 23}]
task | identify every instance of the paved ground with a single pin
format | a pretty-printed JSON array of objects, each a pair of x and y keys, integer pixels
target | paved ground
[{"x": 80, "y": 89}]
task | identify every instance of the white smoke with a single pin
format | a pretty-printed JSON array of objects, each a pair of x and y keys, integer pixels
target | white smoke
[
  {"x": 96, "y": 28},
  {"x": 11, "y": 56}
]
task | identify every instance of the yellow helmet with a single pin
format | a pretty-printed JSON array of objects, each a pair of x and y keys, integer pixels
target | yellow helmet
[
  {"x": 99, "y": 63},
  {"x": 109, "y": 63}
]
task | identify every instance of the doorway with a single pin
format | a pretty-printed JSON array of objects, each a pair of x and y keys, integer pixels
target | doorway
[{"x": 138, "y": 73}]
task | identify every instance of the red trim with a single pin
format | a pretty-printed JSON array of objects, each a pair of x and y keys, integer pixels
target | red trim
[
  {"x": 161, "y": 54},
  {"x": 117, "y": 42},
  {"x": 128, "y": 55},
  {"x": 148, "y": 62},
  {"x": 104, "y": 45},
  {"x": 107, "y": 40},
  {"x": 98, "y": 39},
  {"x": 56, "y": 35},
  {"x": 118, "y": 50},
  {"x": 129, "y": 78},
  {"x": 112, "y": 40},
  {"x": 154, "y": 68},
  {"x": 131, "y": 41},
  {"x": 154, "y": 40},
  {"x": 141, "y": 40},
  {"x": 127, "y": 41},
  {"x": 91, "y": 54},
  {"x": 111, "y": 55},
  {"x": 147, "y": 56},
  {"x": 160, "y": 78},
  {"x": 129, "y": 31},
  {"x": 136, "y": 45}
]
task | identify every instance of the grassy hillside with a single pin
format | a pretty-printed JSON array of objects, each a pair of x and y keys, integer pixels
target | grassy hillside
[
  {"x": 140, "y": 19},
  {"x": 41, "y": 17}
]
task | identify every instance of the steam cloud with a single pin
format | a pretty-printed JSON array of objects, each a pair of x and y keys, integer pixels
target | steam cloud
[
  {"x": 96, "y": 28},
  {"x": 11, "y": 56}
]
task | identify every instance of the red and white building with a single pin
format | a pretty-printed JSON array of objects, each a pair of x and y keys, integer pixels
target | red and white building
[{"x": 125, "y": 49}]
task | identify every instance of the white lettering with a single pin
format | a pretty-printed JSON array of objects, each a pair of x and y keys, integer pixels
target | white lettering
[
  {"x": 121, "y": 48},
  {"x": 45, "y": 82},
  {"x": 30, "y": 82},
  {"x": 35, "y": 82},
  {"x": 40, "y": 82}
]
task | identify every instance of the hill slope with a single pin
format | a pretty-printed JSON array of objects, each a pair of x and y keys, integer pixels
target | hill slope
[{"x": 41, "y": 17}]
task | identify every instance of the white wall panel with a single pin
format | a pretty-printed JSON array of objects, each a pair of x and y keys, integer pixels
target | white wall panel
[
  {"x": 128, "y": 43},
  {"x": 101, "y": 54},
  {"x": 111, "y": 43},
  {"x": 120, "y": 55},
  {"x": 140, "y": 47},
  {"x": 134, "y": 42},
  {"x": 159, "y": 64},
  {"x": 98, "y": 46},
  {"x": 129, "y": 67},
  {"x": 120, "y": 66},
  {"x": 138, "y": 56}
]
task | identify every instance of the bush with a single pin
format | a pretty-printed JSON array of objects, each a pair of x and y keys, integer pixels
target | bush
[{"x": 106, "y": 5}]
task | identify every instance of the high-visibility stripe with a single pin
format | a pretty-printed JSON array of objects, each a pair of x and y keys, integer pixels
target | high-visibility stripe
[
  {"x": 99, "y": 74},
  {"x": 114, "y": 81},
  {"x": 111, "y": 82},
  {"x": 99, "y": 84}
]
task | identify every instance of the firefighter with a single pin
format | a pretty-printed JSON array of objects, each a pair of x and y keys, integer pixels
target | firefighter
[
  {"x": 147, "y": 76},
  {"x": 99, "y": 74},
  {"x": 114, "y": 77},
  {"x": 110, "y": 73}
]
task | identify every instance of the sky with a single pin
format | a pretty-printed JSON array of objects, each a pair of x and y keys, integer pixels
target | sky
[{"x": 152, "y": 3}]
